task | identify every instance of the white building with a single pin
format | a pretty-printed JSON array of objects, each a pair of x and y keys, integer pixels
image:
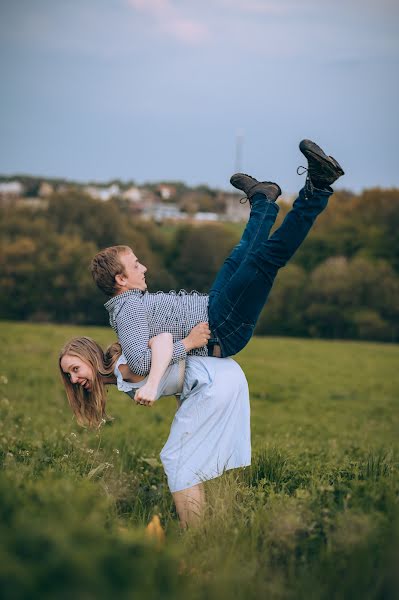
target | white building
[
  {"x": 161, "y": 211},
  {"x": 206, "y": 216},
  {"x": 11, "y": 188},
  {"x": 103, "y": 193},
  {"x": 166, "y": 191}
]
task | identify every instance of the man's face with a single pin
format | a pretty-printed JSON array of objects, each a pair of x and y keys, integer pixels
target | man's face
[{"x": 134, "y": 276}]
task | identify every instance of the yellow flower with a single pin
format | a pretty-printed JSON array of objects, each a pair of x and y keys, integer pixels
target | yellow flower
[{"x": 154, "y": 530}]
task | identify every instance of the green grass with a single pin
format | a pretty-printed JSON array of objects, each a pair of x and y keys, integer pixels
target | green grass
[{"x": 316, "y": 516}]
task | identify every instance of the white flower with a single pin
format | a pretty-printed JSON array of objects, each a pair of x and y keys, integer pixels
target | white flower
[{"x": 3, "y": 379}]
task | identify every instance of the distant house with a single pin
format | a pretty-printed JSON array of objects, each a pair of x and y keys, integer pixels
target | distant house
[
  {"x": 166, "y": 191},
  {"x": 161, "y": 211},
  {"x": 11, "y": 189},
  {"x": 206, "y": 216},
  {"x": 148, "y": 197},
  {"x": 103, "y": 193},
  {"x": 133, "y": 194},
  {"x": 45, "y": 189}
]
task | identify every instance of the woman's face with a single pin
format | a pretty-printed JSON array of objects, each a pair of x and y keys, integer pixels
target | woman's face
[{"x": 78, "y": 371}]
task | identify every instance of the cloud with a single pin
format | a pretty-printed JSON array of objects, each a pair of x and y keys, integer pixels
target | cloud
[
  {"x": 255, "y": 6},
  {"x": 168, "y": 19},
  {"x": 186, "y": 30}
]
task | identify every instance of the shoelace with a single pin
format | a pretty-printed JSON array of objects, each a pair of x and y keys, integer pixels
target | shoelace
[
  {"x": 244, "y": 199},
  {"x": 302, "y": 172},
  {"x": 308, "y": 183}
]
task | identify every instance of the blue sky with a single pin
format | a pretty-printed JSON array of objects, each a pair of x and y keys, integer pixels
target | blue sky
[{"x": 160, "y": 89}]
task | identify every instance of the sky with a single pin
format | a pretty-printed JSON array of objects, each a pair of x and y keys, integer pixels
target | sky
[{"x": 151, "y": 90}]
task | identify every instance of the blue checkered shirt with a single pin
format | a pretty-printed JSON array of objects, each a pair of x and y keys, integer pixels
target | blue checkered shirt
[{"x": 137, "y": 316}]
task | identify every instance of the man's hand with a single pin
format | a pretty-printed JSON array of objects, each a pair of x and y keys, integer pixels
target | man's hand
[
  {"x": 146, "y": 395},
  {"x": 198, "y": 337}
]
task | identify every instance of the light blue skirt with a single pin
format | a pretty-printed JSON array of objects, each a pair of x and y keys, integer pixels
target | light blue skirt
[{"x": 210, "y": 432}]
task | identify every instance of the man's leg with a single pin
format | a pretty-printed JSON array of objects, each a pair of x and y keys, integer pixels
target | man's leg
[
  {"x": 234, "y": 312},
  {"x": 261, "y": 219}
]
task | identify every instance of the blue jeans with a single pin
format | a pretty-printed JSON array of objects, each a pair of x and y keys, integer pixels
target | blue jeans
[{"x": 242, "y": 285}]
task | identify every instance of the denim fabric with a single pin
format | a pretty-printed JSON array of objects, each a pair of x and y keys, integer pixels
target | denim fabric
[{"x": 243, "y": 283}]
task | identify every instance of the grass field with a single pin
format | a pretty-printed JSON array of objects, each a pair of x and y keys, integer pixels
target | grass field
[{"x": 316, "y": 516}]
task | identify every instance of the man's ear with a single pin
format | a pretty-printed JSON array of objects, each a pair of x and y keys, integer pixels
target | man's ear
[{"x": 120, "y": 279}]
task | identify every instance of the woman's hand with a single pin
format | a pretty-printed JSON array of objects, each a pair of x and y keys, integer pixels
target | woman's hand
[{"x": 146, "y": 395}]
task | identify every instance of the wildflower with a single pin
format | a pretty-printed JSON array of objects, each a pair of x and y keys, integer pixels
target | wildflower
[
  {"x": 3, "y": 379},
  {"x": 73, "y": 434},
  {"x": 116, "y": 450},
  {"x": 89, "y": 451},
  {"x": 154, "y": 530}
]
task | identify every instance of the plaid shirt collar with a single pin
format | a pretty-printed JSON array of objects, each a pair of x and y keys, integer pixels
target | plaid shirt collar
[{"x": 112, "y": 302}]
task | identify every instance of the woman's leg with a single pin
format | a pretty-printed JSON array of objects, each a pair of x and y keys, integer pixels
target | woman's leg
[
  {"x": 190, "y": 504},
  {"x": 235, "y": 310},
  {"x": 261, "y": 219}
]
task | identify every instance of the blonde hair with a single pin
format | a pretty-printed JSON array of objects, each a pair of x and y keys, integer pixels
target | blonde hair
[
  {"x": 106, "y": 265},
  {"x": 88, "y": 406}
]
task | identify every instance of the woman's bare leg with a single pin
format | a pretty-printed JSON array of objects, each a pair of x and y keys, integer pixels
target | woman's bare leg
[{"x": 190, "y": 504}]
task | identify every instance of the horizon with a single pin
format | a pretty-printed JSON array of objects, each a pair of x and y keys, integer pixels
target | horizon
[{"x": 106, "y": 182}]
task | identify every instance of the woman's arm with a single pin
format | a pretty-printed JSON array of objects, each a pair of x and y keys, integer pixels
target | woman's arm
[{"x": 161, "y": 353}]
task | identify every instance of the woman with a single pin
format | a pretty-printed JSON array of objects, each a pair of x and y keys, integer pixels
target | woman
[{"x": 210, "y": 432}]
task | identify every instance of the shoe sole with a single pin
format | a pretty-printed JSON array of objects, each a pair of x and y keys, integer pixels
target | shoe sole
[
  {"x": 317, "y": 153},
  {"x": 239, "y": 175}
]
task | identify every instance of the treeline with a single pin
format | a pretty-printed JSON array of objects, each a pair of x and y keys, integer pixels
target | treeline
[{"x": 342, "y": 283}]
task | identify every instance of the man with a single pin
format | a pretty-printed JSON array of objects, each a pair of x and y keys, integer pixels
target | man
[{"x": 241, "y": 287}]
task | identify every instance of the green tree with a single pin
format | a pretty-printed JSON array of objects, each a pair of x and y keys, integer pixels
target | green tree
[
  {"x": 283, "y": 313},
  {"x": 74, "y": 213},
  {"x": 198, "y": 253}
]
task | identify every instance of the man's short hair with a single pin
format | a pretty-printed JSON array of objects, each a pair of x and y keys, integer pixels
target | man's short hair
[{"x": 106, "y": 265}]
